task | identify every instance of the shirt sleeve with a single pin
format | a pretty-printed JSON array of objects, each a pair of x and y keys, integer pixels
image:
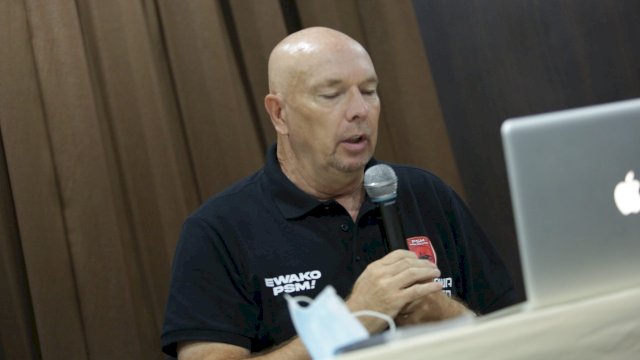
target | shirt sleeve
[
  {"x": 487, "y": 284},
  {"x": 208, "y": 299}
]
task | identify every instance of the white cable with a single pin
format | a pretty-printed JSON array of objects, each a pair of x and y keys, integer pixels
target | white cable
[{"x": 385, "y": 317}]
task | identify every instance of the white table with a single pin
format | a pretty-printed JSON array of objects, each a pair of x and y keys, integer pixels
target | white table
[{"x": 603, "y": 327}]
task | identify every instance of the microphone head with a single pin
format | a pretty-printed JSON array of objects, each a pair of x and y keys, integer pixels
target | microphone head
[{"x": 381, "y": 183}]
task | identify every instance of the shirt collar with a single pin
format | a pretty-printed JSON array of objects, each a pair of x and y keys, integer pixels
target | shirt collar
[{"x": 292, "y": 201}]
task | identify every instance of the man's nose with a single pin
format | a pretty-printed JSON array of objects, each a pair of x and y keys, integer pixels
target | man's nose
[{"x": 357, "y": 107}]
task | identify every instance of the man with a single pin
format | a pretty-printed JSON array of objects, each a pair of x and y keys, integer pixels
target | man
[{"x": 304, "y": 222}]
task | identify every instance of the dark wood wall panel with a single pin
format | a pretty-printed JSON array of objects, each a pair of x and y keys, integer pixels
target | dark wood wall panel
[
  {"x": 259, "y": 26},
  {"x": 142, "y": 137},
  {"x": 34, "y": 186},
  {"x": 499, "y": 59},
  {"x": 100, "y": 244},
  {"x": 215, "y": 111},
  {"x": 18, "y": 336}
]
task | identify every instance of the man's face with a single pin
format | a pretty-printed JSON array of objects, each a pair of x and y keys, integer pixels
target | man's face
[{"x": 332, "y": 111}]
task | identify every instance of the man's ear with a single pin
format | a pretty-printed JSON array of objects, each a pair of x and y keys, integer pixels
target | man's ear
[{"x": 274, "y": 105}]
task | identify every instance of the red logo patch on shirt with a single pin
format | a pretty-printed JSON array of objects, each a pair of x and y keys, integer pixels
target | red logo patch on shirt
[{"x": 421, "y": 246}]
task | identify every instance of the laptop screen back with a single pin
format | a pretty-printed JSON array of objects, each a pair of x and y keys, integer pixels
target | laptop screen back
[{"x": 575, "y": 240}]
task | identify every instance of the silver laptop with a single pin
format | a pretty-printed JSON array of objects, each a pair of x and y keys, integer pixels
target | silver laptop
[{"x": 573, "y": 177}]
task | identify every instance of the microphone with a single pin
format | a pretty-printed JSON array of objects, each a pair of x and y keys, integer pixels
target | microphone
[{"x": 381, "y": 184}]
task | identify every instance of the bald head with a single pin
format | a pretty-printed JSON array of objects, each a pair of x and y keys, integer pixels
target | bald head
[
  {"x": 323, "y": 103},
  {"x": 298, "y": 53}
]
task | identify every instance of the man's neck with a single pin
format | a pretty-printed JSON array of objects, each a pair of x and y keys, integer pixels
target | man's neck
[
  {"x": 352, "y": 202},
  {"x": 347, "y": 188}
]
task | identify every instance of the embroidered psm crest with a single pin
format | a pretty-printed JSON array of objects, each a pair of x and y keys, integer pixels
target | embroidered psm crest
[{"x": 421, "y": 246}]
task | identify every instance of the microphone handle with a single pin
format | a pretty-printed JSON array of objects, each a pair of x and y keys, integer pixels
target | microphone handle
[{"x": 392, "y": 226}]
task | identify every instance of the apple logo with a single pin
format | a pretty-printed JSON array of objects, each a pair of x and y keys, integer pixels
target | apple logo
[{"x": 627, "y": 195}]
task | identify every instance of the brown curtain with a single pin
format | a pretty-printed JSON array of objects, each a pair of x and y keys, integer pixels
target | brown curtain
[{"x": 119, "y": 117}]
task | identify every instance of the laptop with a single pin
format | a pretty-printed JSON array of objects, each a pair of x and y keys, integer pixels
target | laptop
[{"x": 573, "y": 177}]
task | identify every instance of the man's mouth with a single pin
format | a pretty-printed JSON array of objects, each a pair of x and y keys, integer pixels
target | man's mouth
[{"x": 356, "y": 139}]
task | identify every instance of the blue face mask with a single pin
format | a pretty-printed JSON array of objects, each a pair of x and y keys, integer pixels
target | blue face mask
[{"x": 327, "y": 324}]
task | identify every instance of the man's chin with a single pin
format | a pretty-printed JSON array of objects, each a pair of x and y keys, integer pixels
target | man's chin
[{"x": 351, "y": 165}]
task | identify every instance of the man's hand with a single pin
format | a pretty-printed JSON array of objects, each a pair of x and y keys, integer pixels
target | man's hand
[
  {"x": 390, "y": 284},
  {"x": 433, "y": 307}
]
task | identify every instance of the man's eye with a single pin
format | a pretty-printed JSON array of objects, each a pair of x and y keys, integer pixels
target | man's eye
[
  {"x": 368, "y": 92},
  {"x": 329, "y": 96}
]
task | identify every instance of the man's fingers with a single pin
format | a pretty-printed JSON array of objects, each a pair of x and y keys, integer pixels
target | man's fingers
[
  {"x": 413, "y": 275},
  {"x": 402, "y": 260},
  {"x": 417, "y": 291}
]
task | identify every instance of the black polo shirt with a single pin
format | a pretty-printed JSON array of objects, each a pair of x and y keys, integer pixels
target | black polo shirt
[{"x": 263, "y": 237}]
